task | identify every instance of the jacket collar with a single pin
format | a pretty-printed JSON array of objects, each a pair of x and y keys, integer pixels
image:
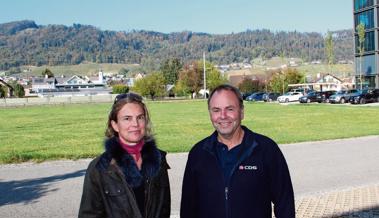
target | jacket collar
[
  {"x": 248, "y": 142},
  {"x": 150, "y": 166}
]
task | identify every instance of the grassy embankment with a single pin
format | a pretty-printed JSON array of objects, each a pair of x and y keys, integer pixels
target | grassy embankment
[
  {"x": 339, "y": 70},
  {"x": 85, "y": 69},
  {"x": 76, "y": 131}
]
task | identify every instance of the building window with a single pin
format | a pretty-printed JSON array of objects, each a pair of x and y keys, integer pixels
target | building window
[
  {"x": 368, "y": 82},
  {"x": 359, "y": 4},
  {"x": 369, "y": 43},
  {"x": 368, "y": 66},
  {"x": 366, "y": 17}
]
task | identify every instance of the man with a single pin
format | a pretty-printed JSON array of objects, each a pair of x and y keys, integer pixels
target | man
[{"x": 235, "y": 173}]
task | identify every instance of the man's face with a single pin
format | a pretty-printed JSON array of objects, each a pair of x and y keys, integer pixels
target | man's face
[{"x": 225, "y": 113}]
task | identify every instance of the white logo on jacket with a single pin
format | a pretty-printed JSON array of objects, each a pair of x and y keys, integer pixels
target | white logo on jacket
[{"x": 247, "y": 167}]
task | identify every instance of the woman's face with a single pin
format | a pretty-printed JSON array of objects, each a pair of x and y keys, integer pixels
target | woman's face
[{"x": 131, "y": 123}]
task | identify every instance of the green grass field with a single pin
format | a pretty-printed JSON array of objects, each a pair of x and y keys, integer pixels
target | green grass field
[{"x": 76, "y": 131}]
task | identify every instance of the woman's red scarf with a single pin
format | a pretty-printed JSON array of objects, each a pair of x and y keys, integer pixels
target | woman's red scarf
[{"x": 133, "y": 150}]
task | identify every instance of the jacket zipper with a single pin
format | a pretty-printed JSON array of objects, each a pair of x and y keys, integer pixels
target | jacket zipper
[
  {"x": 226, "y": 193},
  {"x": 242, "y": 158},
  {"x": 226, "y": 201},
  {"x": 226, "y": 189},
  {"x": 227, "y": 183}
]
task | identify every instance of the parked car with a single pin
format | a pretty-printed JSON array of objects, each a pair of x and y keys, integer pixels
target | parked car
[
  {"x": 290, "y": 96},
  {"x": 352, "y": 92},
  {"x": 271, "y": 96},
  {"x": 310, "y": 97},
  {"x": 255, "y": 97},
  {"x": 353, "y": 95},
  {"x": 246, "y": 94},
  {"x": 342, "y": 96},
  {"x": 366, "y": 96},
  {"x": 324, "y": 96}
]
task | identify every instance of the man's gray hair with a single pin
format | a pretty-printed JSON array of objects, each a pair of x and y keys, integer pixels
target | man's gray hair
[{"x": 227, "y": 87}]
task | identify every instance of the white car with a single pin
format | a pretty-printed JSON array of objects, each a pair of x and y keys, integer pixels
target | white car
[{"x": 290, "y": 96}]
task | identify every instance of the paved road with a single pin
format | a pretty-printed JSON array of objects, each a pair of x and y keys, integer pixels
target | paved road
[{"x": 53, "y": 189}]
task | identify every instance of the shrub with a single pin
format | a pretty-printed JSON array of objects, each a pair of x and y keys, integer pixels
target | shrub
[
  {"x": 2, "y": 92},
  {"x": 119, "y": 89},
  {"x": 19, "y": 91}
]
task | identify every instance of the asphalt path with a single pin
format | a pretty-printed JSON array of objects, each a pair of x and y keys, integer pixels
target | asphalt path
[{"x": 53, "y": 189}]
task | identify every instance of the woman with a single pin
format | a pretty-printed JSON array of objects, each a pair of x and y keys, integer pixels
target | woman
[{"x": 130, "y": 178}]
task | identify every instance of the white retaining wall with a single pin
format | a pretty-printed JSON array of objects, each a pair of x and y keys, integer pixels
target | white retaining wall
[{"x": 11, "y": 102}]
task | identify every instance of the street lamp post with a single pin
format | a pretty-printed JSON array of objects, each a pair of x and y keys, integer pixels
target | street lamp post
[{"x": 204, "y": 75}]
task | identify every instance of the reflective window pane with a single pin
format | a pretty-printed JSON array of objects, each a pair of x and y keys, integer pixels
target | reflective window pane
[
  {"x": 359, "y": 4},
  {"x": 366, "y": 17}
]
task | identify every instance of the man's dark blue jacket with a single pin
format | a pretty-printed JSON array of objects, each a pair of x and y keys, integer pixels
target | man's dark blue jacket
[{"x": 261, "y": 176}]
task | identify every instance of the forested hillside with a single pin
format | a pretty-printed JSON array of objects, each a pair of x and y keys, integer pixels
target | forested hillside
[{"x": 26, "y": 43}]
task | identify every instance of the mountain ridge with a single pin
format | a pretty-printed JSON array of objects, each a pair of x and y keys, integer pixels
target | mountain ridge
[{"x": 26, "y": 43}]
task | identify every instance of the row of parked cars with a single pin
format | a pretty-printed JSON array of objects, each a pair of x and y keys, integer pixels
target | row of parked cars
[
  {"x": 354, "y": 96},
  {"x": 261, "y": 96}
]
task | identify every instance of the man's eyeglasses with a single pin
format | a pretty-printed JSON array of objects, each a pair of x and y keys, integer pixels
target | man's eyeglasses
[{"x": 131, "y": 96}]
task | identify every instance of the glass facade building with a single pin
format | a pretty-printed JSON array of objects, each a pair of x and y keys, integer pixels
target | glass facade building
[{"x": 367, "y": 65}]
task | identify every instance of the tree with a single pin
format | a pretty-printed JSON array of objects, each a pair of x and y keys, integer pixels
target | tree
[
  {"x": 19, "y": 91},
  {"x": 151, "y": 85},
  {"x": 123, "y": 71},
  {"x": 190, "y": 79},
  {"x": 280, "y": 79},
  {"x": 213, "y": 77},
  {"x": 282, "y": 76},
  {"x": 276, "y": 82},
  {"x": 181, "y": 88},
  {"x": 14, "y": 70},
  {"x": 292, "y": 76},
  {"x": 361, "y": 38},
  {"x": 247, "y": 85},
  {"x": 119, "y": 89},
  {"x": 47, "y": 72},
  {"x": 2, "y": 92},
  {"x": 329, "y": 50},
  {"x": 170, "y": 69}
]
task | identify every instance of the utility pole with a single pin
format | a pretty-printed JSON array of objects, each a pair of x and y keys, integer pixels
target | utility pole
[{"x": 205, "y": 81}]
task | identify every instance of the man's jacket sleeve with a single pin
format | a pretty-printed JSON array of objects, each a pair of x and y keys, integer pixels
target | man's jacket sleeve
[
  {"x": 282, "y": 194},
  {"x": 188, "y": 207}
]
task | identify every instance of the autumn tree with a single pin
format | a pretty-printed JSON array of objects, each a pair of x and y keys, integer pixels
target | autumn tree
[
  {"x": 151, "y": 85},
  {"x": 279, "y": 80},
  {"x": 248, "y": 85},
  {"x": 292, "y": 76},
  {"x": 190, "y": 79}
]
